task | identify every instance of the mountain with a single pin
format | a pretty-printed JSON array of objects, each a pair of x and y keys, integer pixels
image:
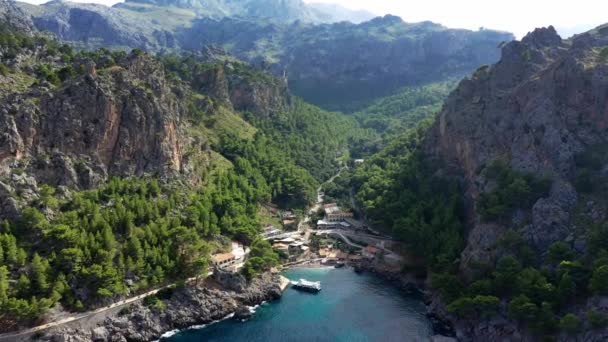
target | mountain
[
  {"x": 503, "y": 193},
  {"x": 121, "y": 171},
  {"x": 338, "y": 66}
]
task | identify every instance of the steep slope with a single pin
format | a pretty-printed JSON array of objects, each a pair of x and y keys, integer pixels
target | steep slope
[
  {"x": 538, "y": 109},
  {"x": 338, "y": 66},
  {"x": 528, "y": 134},
  {"x": 120, "y": 172},
  {"x": 504, "y": 196},
  {"x": 344, "y": 66}
]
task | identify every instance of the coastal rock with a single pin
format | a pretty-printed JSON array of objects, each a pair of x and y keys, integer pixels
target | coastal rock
[
  {"x": 188, "y": 306},
  {"x": 243, "y": 312},
  {"x": 542, "y": 110}
]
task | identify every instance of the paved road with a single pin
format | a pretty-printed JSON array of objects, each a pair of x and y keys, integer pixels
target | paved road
[
  {"x": 346, "y": 235},
  {"x": 13, "y": 336}
]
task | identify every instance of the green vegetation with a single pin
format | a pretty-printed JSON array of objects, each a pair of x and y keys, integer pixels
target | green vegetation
[
  {"x": 397, "y": 113},
  {"x": 4, "y": 70},
  {"x": 604, "y": 55},
  {"x": 512, "y": 190},
  {"x": 261, "y": 258},
  {"x": 313, "y": 138},
  {"x": 269, "y": 168},
  {"x": 398, "y": 190}
]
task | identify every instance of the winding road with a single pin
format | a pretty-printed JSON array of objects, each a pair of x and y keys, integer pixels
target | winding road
[{"x": 89, "y": 314}]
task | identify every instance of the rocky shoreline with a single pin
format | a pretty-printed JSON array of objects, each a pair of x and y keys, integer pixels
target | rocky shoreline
[
  {"x": 188, "y": 306},
  {"x": 443, "y": 327}
]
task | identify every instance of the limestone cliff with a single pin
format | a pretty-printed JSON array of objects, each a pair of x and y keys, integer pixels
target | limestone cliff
[{"x": 541, "y": 109}]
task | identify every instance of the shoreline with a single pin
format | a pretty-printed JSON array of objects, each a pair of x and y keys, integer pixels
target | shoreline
[{"x": 190, "y": 307}]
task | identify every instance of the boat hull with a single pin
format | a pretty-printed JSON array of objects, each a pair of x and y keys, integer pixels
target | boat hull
[{"x": 306, "y": 288}]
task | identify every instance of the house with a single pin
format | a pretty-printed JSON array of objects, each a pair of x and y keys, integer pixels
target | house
[
  {"x": 289, "y": 224},
  {"x": 281, "y": 247},
  {"x": 296, "y": 247},
  {"x": 323, "y": 224},
  {"x": 331, "y": 207},
  {"x": 236, "y": 257},
  {"x": 223, "y": 260},
  {"x": 269, "y": 231},
  {"x": 239, "y": 252},
  {"x": 288, "y": 215},
  {"x": 337, "y": 216},
  {"x": 359, "y": 162},
  {"x": 333, "y": 213},
  {"x": 370, "y": 252}
]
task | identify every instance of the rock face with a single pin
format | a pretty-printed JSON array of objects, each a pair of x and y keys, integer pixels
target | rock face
[
  {"x": 540, "y": 107},
  {"x": 124, "y": 122},
  {"x": 187, "y": 307},
  {"x": 15, "y": 18},
  {"x": 350, "y": 62}
]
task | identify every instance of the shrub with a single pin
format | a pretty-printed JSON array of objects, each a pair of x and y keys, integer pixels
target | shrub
[
  {"x": 4, "y": 70},
  {"x": 596, "y": 319},
  {"x": 599, "y": 280},
  {"x": 137, "y": 52},
  {"x": 484, "y": 306},
  {"x": 521, "y": 308},
  {"x": 604, "y": 55},
  {"x": 570, "y": 324},
  {"x": 560, "y": 251}
]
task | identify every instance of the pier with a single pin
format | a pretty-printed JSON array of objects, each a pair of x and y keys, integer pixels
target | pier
[{"x": 284, "y": 283}]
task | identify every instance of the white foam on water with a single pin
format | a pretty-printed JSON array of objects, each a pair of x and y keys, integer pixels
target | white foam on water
[{"x": 194, "y": 327}]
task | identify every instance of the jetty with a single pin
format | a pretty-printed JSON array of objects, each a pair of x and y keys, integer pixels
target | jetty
[{"x": 284, "y": 283}]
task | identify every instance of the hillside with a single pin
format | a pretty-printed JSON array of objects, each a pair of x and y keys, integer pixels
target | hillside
[
  {"x": 107, "y": 156},
  {"x": 341, "y": 66},
  {"x": 504, "y": 193}
]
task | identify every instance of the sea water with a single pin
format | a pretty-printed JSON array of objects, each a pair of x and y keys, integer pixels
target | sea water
[{"x": 350, "y": 307}]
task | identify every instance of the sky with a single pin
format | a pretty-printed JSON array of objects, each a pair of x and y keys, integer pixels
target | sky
[{"x": 517, "y": 16}]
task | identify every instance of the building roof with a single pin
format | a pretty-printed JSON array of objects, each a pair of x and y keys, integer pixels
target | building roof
[
  {"x": 297, "y": 244},
  {"x": 221, "y": 257},
  {"x": 286, "y": 221},
  {"x": 280, "y": 246},
  {"x": 372, "y": 249}
]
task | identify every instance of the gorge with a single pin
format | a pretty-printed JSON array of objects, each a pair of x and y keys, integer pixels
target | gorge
[{"x": 139, "y": 141}]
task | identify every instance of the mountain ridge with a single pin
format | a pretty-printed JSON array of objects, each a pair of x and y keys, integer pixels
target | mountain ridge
[{"x": 373, "y": 59}]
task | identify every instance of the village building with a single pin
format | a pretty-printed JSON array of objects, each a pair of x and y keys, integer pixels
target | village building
[
  {"x": 296, "y": 247},
  {"x": 288, "y": 215},
  {"x": 333, "y": 213},
  {"x": 281, "y": 247},
  {"x": 289, "y": 224},
  {"x": 236, "y": 257},
  {"x": 223, "y": 260},
  {"x": 370, "y": 252}
]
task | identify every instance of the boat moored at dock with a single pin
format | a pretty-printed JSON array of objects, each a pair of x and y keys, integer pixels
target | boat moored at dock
[{"x": 305, "y": 285}]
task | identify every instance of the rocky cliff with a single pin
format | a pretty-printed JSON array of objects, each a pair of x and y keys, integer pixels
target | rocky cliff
[
  {"x": 122, "y": 121},
  {"x": 543, "y": 104},
  {"x": 185, "y": 308},
  {"x": 542, "y": 110}
]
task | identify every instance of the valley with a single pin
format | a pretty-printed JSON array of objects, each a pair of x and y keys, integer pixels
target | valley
[{"x": 164, "y": 163}]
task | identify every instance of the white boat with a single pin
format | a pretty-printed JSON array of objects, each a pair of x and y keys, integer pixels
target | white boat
[{"x": 305, "y": 285}]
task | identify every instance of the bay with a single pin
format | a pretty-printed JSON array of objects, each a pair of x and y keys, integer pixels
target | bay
[{"x": 351, "y": 307}]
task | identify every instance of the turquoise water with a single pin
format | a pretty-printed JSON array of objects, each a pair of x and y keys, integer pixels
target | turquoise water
[{"x": 351, "y": 307}]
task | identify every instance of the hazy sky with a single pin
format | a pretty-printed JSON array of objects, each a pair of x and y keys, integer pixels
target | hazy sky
[{"x": 517, "y": 16}]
